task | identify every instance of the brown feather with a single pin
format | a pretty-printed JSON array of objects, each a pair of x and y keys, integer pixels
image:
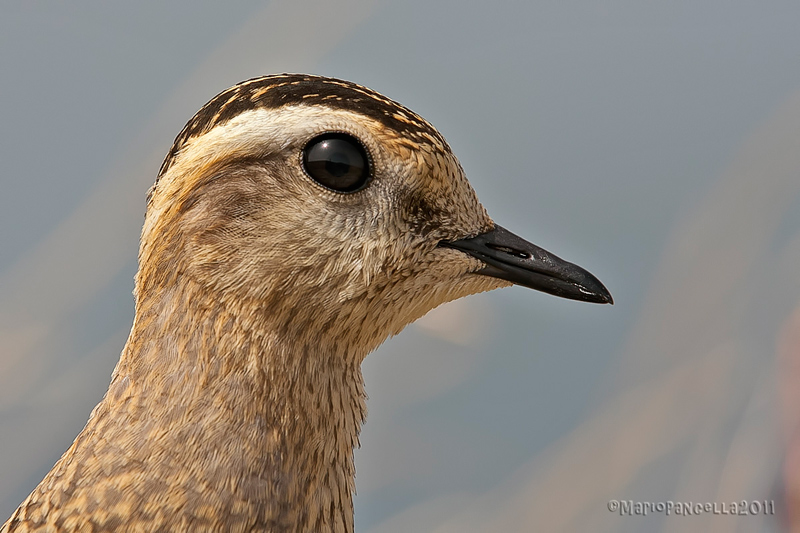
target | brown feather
[{"x": 238, "y": 398}]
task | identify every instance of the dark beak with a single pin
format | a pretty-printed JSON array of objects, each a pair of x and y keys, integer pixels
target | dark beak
[{"x": 514, "y": 259}]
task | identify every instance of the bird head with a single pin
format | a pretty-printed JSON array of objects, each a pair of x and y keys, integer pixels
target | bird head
[{"x": 327, "y": 207}]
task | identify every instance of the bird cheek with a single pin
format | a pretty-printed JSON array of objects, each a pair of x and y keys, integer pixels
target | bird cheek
[
  {"x": 456, "y": 262},
  {"x": 456, "y": 272}
]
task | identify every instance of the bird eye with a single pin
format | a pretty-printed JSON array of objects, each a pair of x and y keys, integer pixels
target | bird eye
[{"x": 337, "y": 161}]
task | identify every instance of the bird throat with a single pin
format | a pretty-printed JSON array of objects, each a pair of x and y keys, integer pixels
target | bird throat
[{"x": 216, "y": 414}]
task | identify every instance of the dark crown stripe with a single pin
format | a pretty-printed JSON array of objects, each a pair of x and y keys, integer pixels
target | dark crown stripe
[{"x": 286, "y": 89}]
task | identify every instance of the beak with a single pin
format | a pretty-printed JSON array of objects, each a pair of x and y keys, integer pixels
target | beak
[{"x": 514, "y": 259}]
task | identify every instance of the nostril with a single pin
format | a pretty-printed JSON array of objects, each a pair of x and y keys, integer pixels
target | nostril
[{"x": 509, "y": 251}]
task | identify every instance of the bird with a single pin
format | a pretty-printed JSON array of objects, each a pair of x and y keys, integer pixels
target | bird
[{"x": 296, "y": 223}]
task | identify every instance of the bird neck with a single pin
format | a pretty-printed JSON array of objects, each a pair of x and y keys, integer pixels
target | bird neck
[{"x": 241, "y": 413}]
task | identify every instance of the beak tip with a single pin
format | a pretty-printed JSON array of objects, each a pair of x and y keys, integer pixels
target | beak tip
[
  {"x": 594, "y": 287},
  {"x": 596, "y": 293}
]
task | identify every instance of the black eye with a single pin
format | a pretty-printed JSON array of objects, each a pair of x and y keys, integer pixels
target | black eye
[{"x": 337, "y": 161}]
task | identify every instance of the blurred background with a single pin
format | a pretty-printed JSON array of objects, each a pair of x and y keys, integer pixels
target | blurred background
[{"x": 657, "y": 144}]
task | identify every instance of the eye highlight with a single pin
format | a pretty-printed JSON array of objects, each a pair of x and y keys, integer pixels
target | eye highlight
[{"x": 338, "y": 162}]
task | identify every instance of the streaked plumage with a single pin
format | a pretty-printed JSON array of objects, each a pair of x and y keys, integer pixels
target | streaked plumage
[{"x": 238, "y": 398}]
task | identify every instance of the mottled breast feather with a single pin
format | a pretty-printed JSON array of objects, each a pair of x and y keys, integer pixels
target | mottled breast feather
[{"x": 301, "y": 89}]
